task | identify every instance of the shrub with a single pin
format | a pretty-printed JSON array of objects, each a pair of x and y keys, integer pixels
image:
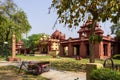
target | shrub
[
  {"x": 104, "y": 74},
  {"x": 116, "y": 56},
  {"x": 68, "y": 65}
]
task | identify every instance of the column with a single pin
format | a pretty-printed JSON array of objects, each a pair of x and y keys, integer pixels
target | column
[
  {"x": 61, "y": 50},
  {"x": 70, "y": 50},
  {"x": 109, "y": 46},
  {"x": 83, "y": 50},
  {"x": 109, "y": 49},
  {"x": 101, "y": 50},
  {"x": 13, "y": 46}
]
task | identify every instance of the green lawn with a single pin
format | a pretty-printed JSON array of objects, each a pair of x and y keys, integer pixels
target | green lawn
[
  {"x": 50, "y": 58},
  {"x": 62, "y": 63}
]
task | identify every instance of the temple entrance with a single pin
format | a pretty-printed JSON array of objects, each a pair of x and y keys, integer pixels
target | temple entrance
[
  {"x": 87, "y": 49},
  {"x": 44, "y": 49},
  {"x": 66, "y": 51},
  {"x": 76, "y": 50},
  {"x": 105, "y": 49}
]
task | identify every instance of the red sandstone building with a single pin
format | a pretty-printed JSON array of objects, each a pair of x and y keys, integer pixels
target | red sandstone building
[
  {"x": 73, "y": 47},
  {"x": 80, "y": 46}
]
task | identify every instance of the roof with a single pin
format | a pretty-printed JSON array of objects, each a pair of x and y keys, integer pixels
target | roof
[{"x": 85, "y": 27}]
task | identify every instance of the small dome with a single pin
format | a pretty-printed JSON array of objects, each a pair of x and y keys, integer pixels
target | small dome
[
  {"x": 100, "y": 31},
  {"x": 58, "y": 35}
]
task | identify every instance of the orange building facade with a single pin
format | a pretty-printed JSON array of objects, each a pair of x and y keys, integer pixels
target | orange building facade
[{"x": 80, "y": 46}]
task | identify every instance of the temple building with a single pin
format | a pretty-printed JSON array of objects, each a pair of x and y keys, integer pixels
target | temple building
[
  {"x": 80, "y": 46},
  {"x": 52, "y": 43},
  {"x": 73, "y": 47}
]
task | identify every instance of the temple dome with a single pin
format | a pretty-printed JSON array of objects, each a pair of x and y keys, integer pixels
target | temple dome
[{"x": 58, "y": 35}]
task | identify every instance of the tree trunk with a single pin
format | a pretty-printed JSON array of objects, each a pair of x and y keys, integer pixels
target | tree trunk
[
  {"x": 92, "y": 53},
  {"x": 92, "y": 43}
]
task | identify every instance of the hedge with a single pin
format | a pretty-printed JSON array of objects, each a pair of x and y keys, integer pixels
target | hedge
[
  {"x": 104, "y": 74},
  {"x": 68, "y": 66}
]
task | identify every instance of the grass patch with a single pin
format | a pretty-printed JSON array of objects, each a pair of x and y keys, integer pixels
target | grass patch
[
  {"x": 37, "y": 58},
  {"x": 63, "y": 63},
  {"x": 11, "y": 73}
]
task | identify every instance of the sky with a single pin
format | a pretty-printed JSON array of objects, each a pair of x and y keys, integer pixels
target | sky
[{"x": 42, "y": 22}]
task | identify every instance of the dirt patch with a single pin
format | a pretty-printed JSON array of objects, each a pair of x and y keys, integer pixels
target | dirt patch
[{"x": 9, "y": 75}]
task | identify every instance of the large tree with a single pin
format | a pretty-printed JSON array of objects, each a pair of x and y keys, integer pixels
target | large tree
[
  {"x": 12, "y": 20},
  {"x": 72, "y": 12}
]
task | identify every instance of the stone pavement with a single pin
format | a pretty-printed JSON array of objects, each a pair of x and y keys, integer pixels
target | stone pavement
[
  {"x": 64, "y": 75},
  {"x": 54, "y": 74}
]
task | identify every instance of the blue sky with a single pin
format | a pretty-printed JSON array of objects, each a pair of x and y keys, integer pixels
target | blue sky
[{"x": 42, "y": 22}]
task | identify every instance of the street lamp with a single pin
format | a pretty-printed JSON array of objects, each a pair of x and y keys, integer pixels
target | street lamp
[{"x": 5, "y": 48}]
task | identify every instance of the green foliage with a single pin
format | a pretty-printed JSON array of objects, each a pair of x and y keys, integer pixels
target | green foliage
[
  {"x": 12, "y": 20},
  {"x": 68, "y": 65},
  {"x": 115, "y": 29},
  {"x": 104, "y": 74},
  {"x": 116, "y": 56},
  {"x": 71, "y": 12},
  {"x": 95, "y": 38},
  {"x": 33, "y": 41}
]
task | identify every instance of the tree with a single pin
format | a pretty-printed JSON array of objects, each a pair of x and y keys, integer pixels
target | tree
[
  {"x": 33, "y": 41},
  {"x": 12, "y": 20},
  {"x": 72, "y": 12},
  {"x": 115, "y": 29}
]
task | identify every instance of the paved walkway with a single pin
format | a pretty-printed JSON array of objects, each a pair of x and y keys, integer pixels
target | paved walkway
[
  {"x": 54, "y": 74},
  {"x": 64, "y": 75}
]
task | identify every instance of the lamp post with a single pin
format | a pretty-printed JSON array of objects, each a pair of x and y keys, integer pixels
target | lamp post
[{"x": 5, "y": 48}]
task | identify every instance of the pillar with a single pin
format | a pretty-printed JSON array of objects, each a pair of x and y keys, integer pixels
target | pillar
[
  {"x": 70, "y": 50},
  {"x": 109, "y": 49},
  {"x": 83, "y": 50},
  {"x": 109, "y": 46},
  {"x": 101, "y": 50},
  {"x": 13, "y": 46},
  {"x": 61, "y": 50}
]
